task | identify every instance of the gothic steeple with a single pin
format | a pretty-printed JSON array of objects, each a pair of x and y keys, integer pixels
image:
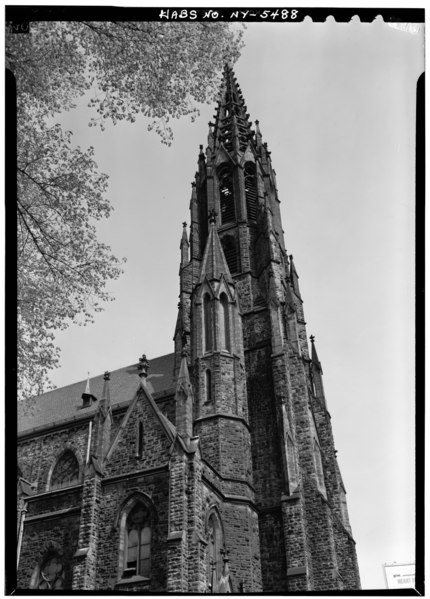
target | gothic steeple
[
  {"x": 232, "y": 127},
  {"x": 242, "y": 316}
]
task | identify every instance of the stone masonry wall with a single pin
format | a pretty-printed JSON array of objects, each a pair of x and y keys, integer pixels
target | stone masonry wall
[
  {"x": 115, "y": 493},
  {"x": 37, "y": 455},
  {"x": 156, "y": 444},
  {"x": 46, "y": 535},
  {"x": 240, "y": 526}
]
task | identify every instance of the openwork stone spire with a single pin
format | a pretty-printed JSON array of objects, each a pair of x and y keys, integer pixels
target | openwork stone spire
[{"x": 232, "y": 127}]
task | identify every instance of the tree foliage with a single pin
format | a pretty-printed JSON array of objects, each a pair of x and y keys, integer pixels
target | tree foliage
[{"x": 160, "y": 70}]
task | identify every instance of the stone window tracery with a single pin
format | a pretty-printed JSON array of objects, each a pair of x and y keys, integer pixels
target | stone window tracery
[
  {"x": 51, "y": 574},
  {"x": 215, "y": 544},
  {"x": 66, "y": 471},
  {"x": 138, "y": 542}
]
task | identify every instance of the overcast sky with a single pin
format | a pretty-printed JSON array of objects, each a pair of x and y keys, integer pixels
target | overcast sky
[{"x": 336, "y": 105}]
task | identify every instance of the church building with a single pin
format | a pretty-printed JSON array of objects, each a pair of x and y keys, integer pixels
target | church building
[{"x": 211, "y": 469}]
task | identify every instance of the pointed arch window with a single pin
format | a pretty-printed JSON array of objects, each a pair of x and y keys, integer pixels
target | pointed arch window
[
  {"x": 224, "y": 324},
  {"x": 207, "y": 317},
  {"x": 50, "y": 576},
  {"x": 139, "y": 440},
  {"x": 215, "y": 545},
  {"x": 228, "y": 244},
  {"x": 226, "y": 193},
  {"x": 251, "y": 190},
  {"x": 66, "y": 471},
  {"x": 291, "y": 464},
  {"x": 319, "y": 468},
  {"x": 208, "y": 385},
  {"x": 137, "y": 558},
  {"x": 203, "y": 215}
]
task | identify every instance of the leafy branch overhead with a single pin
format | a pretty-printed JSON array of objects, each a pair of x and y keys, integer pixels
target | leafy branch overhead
[{"x": 159, "y": 70}]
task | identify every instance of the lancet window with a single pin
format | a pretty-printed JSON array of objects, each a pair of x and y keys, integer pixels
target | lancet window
[
  {"x": 139, "y": 440},
  {"x": 226, "y": 193},
  {"x": 137, "y": 559},
  {"x": 319, "y": 468},
  {"x": 208, "y": 385},
  {"x": 291, "y": 464},
  {"x": 215, "y": 545},
  {"x": 66, "y": 471},
  {"x": 207, "y": 317},
  {"x": 224, "y": 323},
  {"x": 251, "y": 190}
]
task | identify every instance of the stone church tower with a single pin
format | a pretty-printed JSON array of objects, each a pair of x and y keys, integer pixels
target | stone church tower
[{"x": 212, "y": 469}]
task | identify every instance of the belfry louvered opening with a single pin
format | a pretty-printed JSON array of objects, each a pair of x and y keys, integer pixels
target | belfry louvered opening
[
  {"x": 251, "y": 190},
  {"x": 225, "y": 178}
]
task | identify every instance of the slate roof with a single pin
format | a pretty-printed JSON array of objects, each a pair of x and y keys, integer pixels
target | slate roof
[{"x": 65, "y": 403}]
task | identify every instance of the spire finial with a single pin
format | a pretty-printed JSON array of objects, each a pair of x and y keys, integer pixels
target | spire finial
[
  {"x": 312, "y": 338},
  {"x": 184, "y": 224},
  {"x": 143, "y": 366},
  {"x": 106, "y": 376}
]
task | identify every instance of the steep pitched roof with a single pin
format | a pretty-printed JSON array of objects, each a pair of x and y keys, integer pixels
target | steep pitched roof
[{"x": 65, "y": 403}]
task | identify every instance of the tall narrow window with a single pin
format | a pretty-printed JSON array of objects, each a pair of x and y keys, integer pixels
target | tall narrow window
[
  {"x": 138, "y": 542},
  {"x": 66, "y": 471},
  {"x": 139, "y": 444},
  {"x": 224, "y": 326},
  {"x": 292, "y": 465},
  {"x": 319, "y": 468},
  {"x": 251, "y": 190},
  {"x": 230, "y": 252},
  {"x": 225, "y": 179},
  {"x": 203, "y": 216},
  {"x": 208, "y": 385},
  {"x": 215, "y": 544},
  {"x": 207, "y": 316}
]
